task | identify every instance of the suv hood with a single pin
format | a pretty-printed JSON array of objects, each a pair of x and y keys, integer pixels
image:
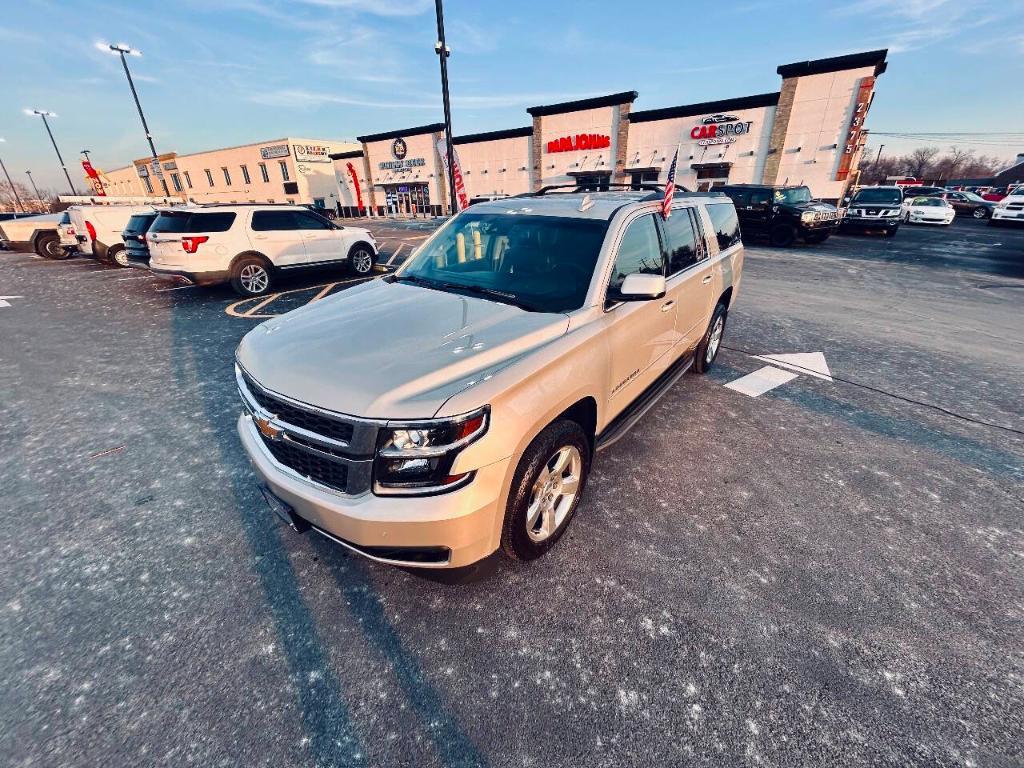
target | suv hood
[
  {"x": 810, "y": 205},
  {"x": 391, "y": 350}
]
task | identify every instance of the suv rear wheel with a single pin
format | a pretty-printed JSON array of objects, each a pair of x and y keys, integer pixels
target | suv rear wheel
[
  {"x": 360, "y": 260},
  {"x": 783, "y": 235},
  {"x": 250, "y": 276},
  {"x": 546, "y": 490},
  {"x": 709, "y": 346},
  {"x": 118, "y": 255},
  {"x": 48, "y": 246}
]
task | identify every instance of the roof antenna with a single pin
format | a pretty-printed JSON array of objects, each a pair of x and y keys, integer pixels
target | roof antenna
[{"x": 586, "y": 204}]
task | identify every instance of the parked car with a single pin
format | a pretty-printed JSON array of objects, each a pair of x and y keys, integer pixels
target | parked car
[
  {"x": 874, "y": 208},
  {"x": 1009, "y": 209},
  {"x": 454, "y": 408},
  {"x": 136, "y": 249},
  {"x": 98, "y": 229},
  {"x": 970, "y": 204},
  {"x": 928, "y": 210},
  {"x": 909, "y": 192},
  {"x": 33, "y": 233},
  {"x": 249, "y": 245},
  {"x": 782, "y": 214}
]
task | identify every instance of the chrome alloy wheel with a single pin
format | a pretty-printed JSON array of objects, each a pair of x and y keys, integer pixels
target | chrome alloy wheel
[
  {"x": 554, "y": 493},
  {"x": 362, "y": 261},
  {"x": 254, "y": 278},
  {"x": 121, "y": 258},
  {"x": 715, "y": 340}
]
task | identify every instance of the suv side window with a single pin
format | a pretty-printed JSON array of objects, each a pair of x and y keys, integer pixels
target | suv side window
[
  {"x": 311, "y": 221},
  {"x": 273, "y": 221},
  {"x": 639, "y": 252},
  {"x": 740, "y": 197},
  {"x": 682, "y": 240},
  {"x": 760, "y": 198},
  {"x": 725, "y": 224}
]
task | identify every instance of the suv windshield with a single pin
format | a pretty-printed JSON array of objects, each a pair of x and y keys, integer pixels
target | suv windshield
[
  {"x": 539, "y": 263},
  {"x": 793, "y": 195},
  {"x": 176, "y": 222},
  {"x": 878, "y": 195}
]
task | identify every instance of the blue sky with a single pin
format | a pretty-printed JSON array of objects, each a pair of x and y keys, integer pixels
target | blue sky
[{"x": 221, "y": 72}]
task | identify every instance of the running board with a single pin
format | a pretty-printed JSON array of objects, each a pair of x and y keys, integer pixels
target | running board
[{"x": 635, "y": 411}]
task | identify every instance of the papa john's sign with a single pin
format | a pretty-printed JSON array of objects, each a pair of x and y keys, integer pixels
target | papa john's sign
[{"x": 580, "y": 141}]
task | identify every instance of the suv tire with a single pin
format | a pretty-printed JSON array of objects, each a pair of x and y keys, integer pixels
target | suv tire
[
  {"x": 709, "y": 346},
  {"x": 251, "y": 276},
  {"x": 546, "y": 490},
  {"x": 360, "y": 260},
  {"x": 118, "y": 256},
  {"x": 783, "y": 235},
  {"x": 48, "y": 246}
]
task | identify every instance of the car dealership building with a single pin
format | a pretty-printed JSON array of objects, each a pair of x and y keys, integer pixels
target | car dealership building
[{"x": 811, "y": 131}]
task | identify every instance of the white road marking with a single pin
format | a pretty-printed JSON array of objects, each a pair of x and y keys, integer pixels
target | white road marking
[
  {"x": 176, "y": 288},
  {"x": 760, "y": 381},
  {"x": 811, "y": 363},
  {"x": 5, "y": 303},
  {"x": 137, "y": 277},
  {"x": 393, "y": 255}
]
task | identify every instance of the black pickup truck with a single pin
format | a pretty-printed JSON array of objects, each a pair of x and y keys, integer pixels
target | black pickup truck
[{"x": 782, "y": 214}]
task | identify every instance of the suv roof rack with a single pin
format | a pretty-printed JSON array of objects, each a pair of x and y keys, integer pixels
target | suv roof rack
[{"x": 261, "y": 205}]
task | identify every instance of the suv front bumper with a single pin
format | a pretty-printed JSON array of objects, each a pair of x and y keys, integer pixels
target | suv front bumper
[{"x": 467, "y": 521}]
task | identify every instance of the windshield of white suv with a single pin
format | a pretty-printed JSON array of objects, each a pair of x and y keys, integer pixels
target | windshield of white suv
[
  {"x": 793, "y": 195},
  {"x": 878, "y": 195},
  {"x": 538, "y": 263}
]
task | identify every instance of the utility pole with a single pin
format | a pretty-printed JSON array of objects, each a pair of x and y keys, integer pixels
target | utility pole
[
  {"x": 879, "y": 155},
  {"x": 121, "y": 49},
  {"x": 443, "y": 53},
  {"x": 14, "y": 190},
  {"x": 44, "y": 114},
  {"x": 39, "y": 198}
]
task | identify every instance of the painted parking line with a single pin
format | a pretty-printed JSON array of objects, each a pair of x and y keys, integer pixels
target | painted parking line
[
  {"x": 176, "y": 288},
  {"x": 240, "y": 308},
  {"x": 136, "y": 277},
  {"x": 395, "y": 254}
]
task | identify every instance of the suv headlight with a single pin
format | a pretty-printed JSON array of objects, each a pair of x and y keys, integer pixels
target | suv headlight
[
  {"x": 415, "y": 458},
  {"x": 1003, "y": 203}
]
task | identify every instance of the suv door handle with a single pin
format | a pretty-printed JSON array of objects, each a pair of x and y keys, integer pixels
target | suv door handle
[
  {"x": 259, "y": 237},
  {"x": 706, "y": 280},
  {"x": 667, "y": 305}
]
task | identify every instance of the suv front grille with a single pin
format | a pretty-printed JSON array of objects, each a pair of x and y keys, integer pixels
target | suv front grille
[
  {"x": 300, "y": 417},
  {"x": 320, "y": 470}
]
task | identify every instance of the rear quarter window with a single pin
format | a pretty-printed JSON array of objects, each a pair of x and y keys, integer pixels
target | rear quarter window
[
  {"x": 188, "y": 223},
  {"x": 724, "y": 224}
]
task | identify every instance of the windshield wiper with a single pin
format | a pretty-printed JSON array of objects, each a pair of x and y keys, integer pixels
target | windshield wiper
[{"x": 492, "y": 293}]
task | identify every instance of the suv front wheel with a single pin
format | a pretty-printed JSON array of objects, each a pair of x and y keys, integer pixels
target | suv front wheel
[
  {"x": 250, "y": 276},
  {"x": 546, "y": 490},
  {"x": 360, "y": 260}
]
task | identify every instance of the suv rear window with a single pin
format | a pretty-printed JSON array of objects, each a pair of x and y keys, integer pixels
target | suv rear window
[
  {"x": 188, "y": 222},
  {"x": 139, "y": 223},
  {"x": 725, "y": 224}
]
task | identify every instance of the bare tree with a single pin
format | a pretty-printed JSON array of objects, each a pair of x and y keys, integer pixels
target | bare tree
[
  {"x": 9, "y": 201},
  {"x": 920, "y": 161}
]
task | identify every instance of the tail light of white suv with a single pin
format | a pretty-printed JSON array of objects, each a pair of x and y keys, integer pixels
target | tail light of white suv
[{"x": 191, "y": 243}]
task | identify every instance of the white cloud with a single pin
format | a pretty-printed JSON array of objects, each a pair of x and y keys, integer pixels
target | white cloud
[{"x": 377, "y": 7}]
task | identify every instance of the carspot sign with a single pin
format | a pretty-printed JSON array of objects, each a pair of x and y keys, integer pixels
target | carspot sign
[
  {"x": 811, "y": 363},
  {"x": 5, "y": 303}
]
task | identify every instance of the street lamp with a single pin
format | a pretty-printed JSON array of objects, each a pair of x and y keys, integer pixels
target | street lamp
[
  {"x": 122, "y": 50},
  {"x": 443, "y": 52},
  {"x": 14, "y": 190},
  {"x": 39, "y": 198},
  {"x": 44, "y": 114}
]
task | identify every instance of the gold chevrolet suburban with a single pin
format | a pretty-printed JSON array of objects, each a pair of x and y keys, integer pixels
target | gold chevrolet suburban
[{"x": 432, "y": 416}]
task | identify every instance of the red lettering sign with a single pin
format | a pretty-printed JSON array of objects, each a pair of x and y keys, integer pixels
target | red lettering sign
[
  {"x": 860, "y": 113},
  {"x": 580, "y": 141}
]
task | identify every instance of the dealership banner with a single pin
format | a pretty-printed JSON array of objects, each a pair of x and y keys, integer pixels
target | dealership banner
[
  {"x": 312, "y": 153},
  {"x": 460, "y": 186},
  {"x": 93, "y": 177},
  {"x": 355, "y": 185}
]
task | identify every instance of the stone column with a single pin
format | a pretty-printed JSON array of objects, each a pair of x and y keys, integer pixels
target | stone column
[
  {"x": 780, "y": 127},
  {"x": 440, "y": 173},
  {"x": 621, "y": 143},
  {"x": 537, "y": 159},
  {"x": 371, "y": 194}
]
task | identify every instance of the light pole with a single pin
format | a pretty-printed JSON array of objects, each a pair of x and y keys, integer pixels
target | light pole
[
  {"x": 443, "y": 53},
  {"x": 44, "y": 114},
  {"x": 121, "y": 49},
  {"x": 14, "y": 190},
  {"x": 39, "y": 198}
]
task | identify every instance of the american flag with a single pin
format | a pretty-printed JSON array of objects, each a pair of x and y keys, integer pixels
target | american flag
[{"x": 670, "y": 187}]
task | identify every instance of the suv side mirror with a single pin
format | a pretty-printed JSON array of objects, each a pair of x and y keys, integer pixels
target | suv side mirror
[{"x": 641, "y": 287}]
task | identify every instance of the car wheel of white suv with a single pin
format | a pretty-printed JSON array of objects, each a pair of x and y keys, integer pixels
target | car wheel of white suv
[
  {"x": 250, "y": 276},
  {"x": 360, "y": 260},
  {"x": 546, "y": 490}
]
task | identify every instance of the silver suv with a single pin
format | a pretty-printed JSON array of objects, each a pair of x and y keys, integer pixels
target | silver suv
[{"x": 433, "y": 416}]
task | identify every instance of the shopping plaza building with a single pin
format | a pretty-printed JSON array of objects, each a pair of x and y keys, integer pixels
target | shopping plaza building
[
  {"x": 285, "y": 170},
  {"x": 811, "y": 131}
]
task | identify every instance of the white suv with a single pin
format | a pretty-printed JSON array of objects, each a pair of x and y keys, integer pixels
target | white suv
[{"x": 248, "y": 245}]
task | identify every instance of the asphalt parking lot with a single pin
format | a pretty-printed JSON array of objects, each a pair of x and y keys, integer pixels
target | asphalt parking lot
[{"x": 829, "y": 573}]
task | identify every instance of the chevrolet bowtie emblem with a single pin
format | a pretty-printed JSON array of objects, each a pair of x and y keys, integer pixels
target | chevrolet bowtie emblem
[{"x": 266, "y": 429}]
